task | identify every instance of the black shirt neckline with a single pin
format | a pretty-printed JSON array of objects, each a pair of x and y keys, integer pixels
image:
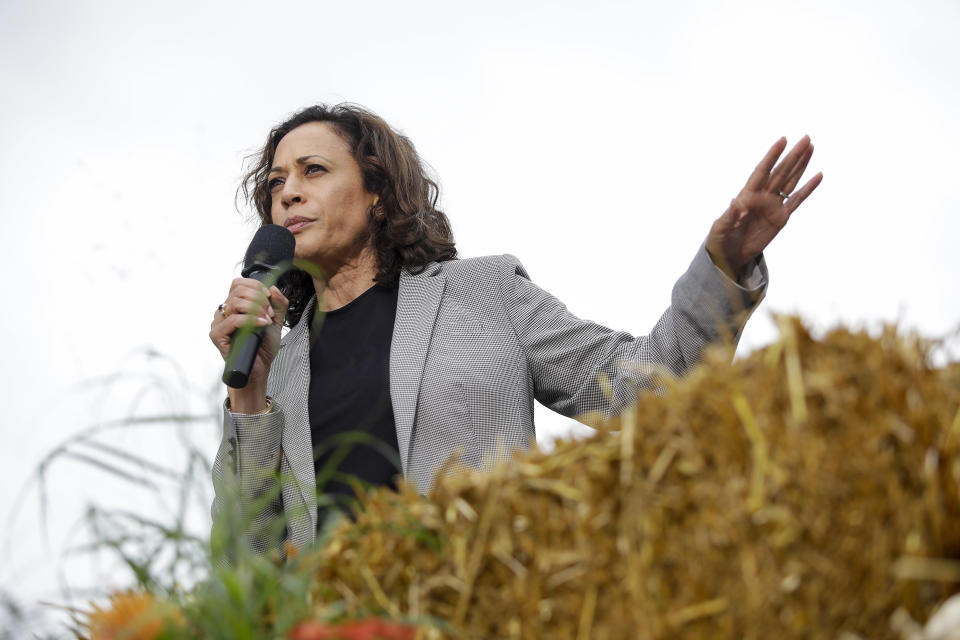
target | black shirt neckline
[{"x": 350, "y": 305}]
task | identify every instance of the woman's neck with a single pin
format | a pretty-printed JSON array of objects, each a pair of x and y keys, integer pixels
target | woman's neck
[{"x": 346, "y": 283}]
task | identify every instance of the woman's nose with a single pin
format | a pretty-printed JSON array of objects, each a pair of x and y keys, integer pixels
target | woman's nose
[{"x": 291, "y": 194}]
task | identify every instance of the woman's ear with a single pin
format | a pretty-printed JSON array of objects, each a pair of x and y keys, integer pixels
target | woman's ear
[{"x": 375, "y": 212}]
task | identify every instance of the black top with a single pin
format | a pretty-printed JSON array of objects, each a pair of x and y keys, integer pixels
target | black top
[{"x": 351, "y": 416}]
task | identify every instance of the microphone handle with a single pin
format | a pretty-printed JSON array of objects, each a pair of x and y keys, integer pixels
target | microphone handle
[{"x": 243, "y": 351}]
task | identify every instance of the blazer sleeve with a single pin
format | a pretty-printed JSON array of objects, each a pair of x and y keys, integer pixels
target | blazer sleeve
[
  {"x": 247, "y": 506},
  {"x": 567, "y": 356}
]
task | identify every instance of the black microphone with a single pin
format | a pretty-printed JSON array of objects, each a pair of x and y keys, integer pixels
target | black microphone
[{"x": 270, "y": 254}]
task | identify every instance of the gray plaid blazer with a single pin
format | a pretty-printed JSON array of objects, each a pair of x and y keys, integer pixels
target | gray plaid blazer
[{"x": 474, "y": 343}]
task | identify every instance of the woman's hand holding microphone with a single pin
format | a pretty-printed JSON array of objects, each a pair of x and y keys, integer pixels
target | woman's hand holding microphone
[{"x": 249, "y": 298}]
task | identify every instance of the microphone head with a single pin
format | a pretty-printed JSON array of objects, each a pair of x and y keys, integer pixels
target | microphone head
[{"x": 271, "y": 246}]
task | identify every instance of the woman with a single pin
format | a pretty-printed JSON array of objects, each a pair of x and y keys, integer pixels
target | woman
[{"x": 429, "y": 354}]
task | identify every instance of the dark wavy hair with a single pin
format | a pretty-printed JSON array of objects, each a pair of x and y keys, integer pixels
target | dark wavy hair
[{"x": 406, "y": 229}]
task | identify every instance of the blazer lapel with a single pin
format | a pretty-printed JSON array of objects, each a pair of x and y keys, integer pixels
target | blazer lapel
[
  {"x": 297, "y": 439},
  {"x": 417, "y": 304}
]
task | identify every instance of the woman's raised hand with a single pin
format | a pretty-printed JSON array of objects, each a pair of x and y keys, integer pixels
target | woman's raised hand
[
  {"x": 762, "y": 207},
  {"x": 249, "y": 298}
]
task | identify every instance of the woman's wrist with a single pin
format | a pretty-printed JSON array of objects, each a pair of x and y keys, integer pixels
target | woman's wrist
[
  {"x": 722, "y": 262},
  {"x": 248, "y": 400}
]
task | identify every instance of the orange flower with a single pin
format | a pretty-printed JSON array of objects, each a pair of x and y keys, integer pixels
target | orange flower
[
  {"x": 291, "y": 550},
  {"x": 132, "y": 616}
]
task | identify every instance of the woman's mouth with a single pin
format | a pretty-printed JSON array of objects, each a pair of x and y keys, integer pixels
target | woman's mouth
[{"x": 297, "y": 223}]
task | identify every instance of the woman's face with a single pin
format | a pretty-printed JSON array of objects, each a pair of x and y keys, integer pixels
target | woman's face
[{"x": 317, "y": 192}]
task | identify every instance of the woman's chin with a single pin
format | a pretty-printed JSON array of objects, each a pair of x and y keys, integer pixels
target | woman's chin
[
  {"x": 309, "y": 254},
  {"x": 303, "y": 253}
]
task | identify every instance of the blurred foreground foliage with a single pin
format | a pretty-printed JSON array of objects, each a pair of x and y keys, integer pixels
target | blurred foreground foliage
[{"x": 811, "y": 489}]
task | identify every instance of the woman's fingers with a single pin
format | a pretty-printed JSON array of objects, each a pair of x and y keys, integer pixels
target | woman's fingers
[
  {"x": 797, "y": 198},
  {"x": 250, "y": 304},
  {"x": 244, "y": 310},
  {"x": 775, "y": 177},
  {"x": 278, "y": 301},
  {"x": 758, "y": 178},
  {"x": 797, "y": 172},
  {"x": 248, "y": 299},
  {"x": 244, "y": 305},
  {"x": 249, "y": 289},
  {"x": 221, "y": 329},
  {"x": 783, "y": 171},
  {"x": 243, "y": 292}
]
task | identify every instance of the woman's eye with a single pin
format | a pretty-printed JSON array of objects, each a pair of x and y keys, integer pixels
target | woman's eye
[
  {"x": 313, "y": 168},
  {"x": 274, "y": 183}
]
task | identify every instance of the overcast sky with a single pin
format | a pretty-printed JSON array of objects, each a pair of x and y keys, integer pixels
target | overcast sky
[{"x": 596, "y": 141}]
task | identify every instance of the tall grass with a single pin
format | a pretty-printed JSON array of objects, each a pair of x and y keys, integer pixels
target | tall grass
[{"x": 151, "y": 531}]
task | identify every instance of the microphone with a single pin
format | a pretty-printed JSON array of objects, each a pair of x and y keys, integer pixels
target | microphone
[{"x": 269, "y": 255}]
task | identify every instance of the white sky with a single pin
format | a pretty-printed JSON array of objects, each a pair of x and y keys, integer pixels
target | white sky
[{"x": 597, "y": 141}]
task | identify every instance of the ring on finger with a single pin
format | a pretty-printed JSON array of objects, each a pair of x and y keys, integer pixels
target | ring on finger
[
  {"x": 783, "y": 195},
  {"x": 223, "y": 311}
]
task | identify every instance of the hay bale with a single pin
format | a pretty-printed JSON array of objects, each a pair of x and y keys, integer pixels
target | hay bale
[{"x": 808, "y": 490}]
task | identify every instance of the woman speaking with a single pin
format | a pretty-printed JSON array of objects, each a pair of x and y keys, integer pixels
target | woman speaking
[{"x": 421, "y": 355}]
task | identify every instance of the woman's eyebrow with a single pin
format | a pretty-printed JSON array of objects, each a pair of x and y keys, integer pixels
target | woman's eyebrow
[{"x": 301, "y": 160}]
